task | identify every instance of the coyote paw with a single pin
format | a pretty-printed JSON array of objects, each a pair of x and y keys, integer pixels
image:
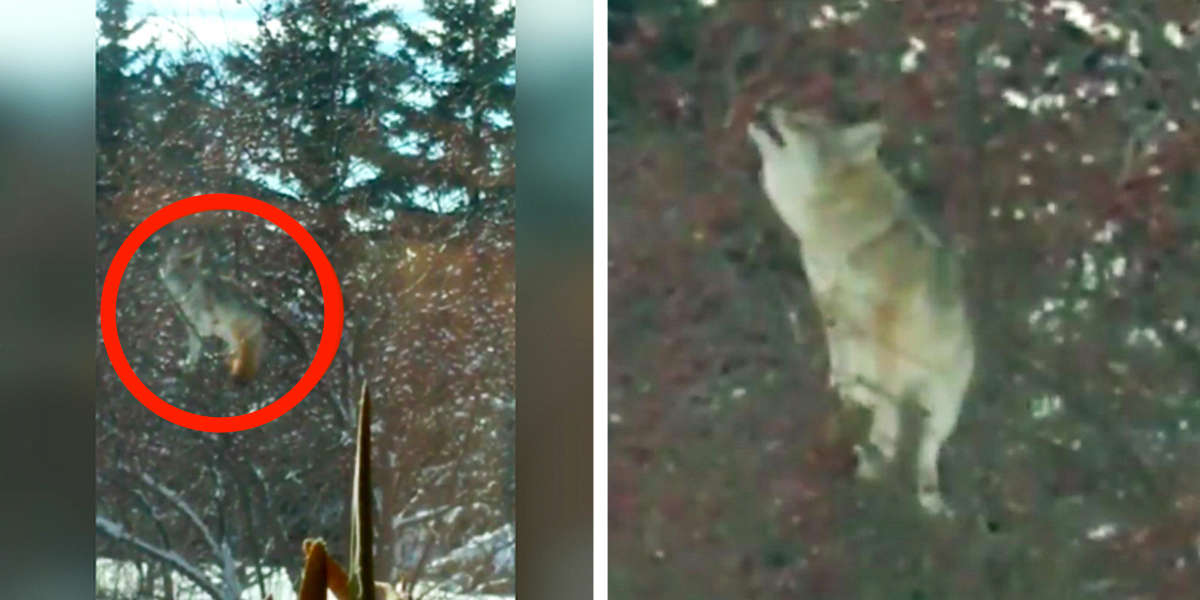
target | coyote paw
[
  {"x": 933, "y": 504},
  {"x": 189, "y": 364},
  {"x": 868, "y": 465}
]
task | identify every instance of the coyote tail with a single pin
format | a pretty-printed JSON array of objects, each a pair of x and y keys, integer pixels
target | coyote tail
[{"x": 243, "y": 364}]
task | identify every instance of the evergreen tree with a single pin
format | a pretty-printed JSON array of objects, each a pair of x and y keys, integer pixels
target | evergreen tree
[
  {"x": 467, "y": 70},
  {"x": 319, "y": 101},
  {"x": 117, "y": 93},
  {"x": 157, "y": 121}
]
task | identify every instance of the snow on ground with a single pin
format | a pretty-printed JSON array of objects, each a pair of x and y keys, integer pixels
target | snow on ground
[
  {"x": 120, "y": 578},
  {"x": 499, "y": 544}
]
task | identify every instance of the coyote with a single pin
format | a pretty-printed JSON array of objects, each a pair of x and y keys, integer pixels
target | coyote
[
  {"x": 889, "y": 292},
  {"x": 212, "y": 309}
]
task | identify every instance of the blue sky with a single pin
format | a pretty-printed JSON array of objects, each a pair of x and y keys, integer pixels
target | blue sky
[{"x": 217, "y": 23}]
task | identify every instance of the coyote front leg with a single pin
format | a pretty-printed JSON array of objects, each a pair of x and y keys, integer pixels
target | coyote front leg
[
  {"x": 884, "y": 436},
  {"x": 944, "y": 401},
  {"x": 194, "y": 347}
]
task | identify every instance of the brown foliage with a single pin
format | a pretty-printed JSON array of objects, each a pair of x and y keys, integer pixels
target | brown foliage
[{"x": 729, "y": 468}]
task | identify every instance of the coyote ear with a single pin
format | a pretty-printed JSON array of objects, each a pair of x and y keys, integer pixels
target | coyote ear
[
  {"x": 760, "y": 137},
  {"x": 861, "y": 142}
]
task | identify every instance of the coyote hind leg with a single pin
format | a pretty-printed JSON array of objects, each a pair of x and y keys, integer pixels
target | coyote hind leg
[
  {"x": 194, "y": 347},
  {"x": 928, "y": 491},
  {"x": 884, "y": 436},
  {"x": 938, "y": 425}
]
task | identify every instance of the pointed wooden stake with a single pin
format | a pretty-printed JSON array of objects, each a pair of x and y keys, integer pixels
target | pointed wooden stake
[
  {"x": 321, "y": 571},
  {"x": 313, "y": 583},
  {"x": 362, "y": 571}
]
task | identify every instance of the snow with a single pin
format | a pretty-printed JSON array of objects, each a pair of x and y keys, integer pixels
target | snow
[
  {"x": 498, "y": 544},
  {"x": 120, "y": 578}
]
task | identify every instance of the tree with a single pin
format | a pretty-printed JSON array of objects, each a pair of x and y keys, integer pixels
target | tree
[
  {"x": 120, "y": 86},
  {"x": 307, "y": 116},
  {"x": 466, "y": 63},
  {"x": 1056, "y": 144},
  {"x": 317, "y": 102}
]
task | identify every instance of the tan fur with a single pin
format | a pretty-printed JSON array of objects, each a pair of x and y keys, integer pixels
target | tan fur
[
  {"x": 213, "y": 309},
  {"x": 887, "y": 289}
]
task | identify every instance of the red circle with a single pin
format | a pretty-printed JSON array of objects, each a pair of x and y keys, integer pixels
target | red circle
[{"x": 331, "y": 292}]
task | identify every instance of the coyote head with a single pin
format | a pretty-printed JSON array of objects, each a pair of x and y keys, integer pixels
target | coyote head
[
  {"x": 807, "y": 145},
  {"x": 181, "y": 268}
]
